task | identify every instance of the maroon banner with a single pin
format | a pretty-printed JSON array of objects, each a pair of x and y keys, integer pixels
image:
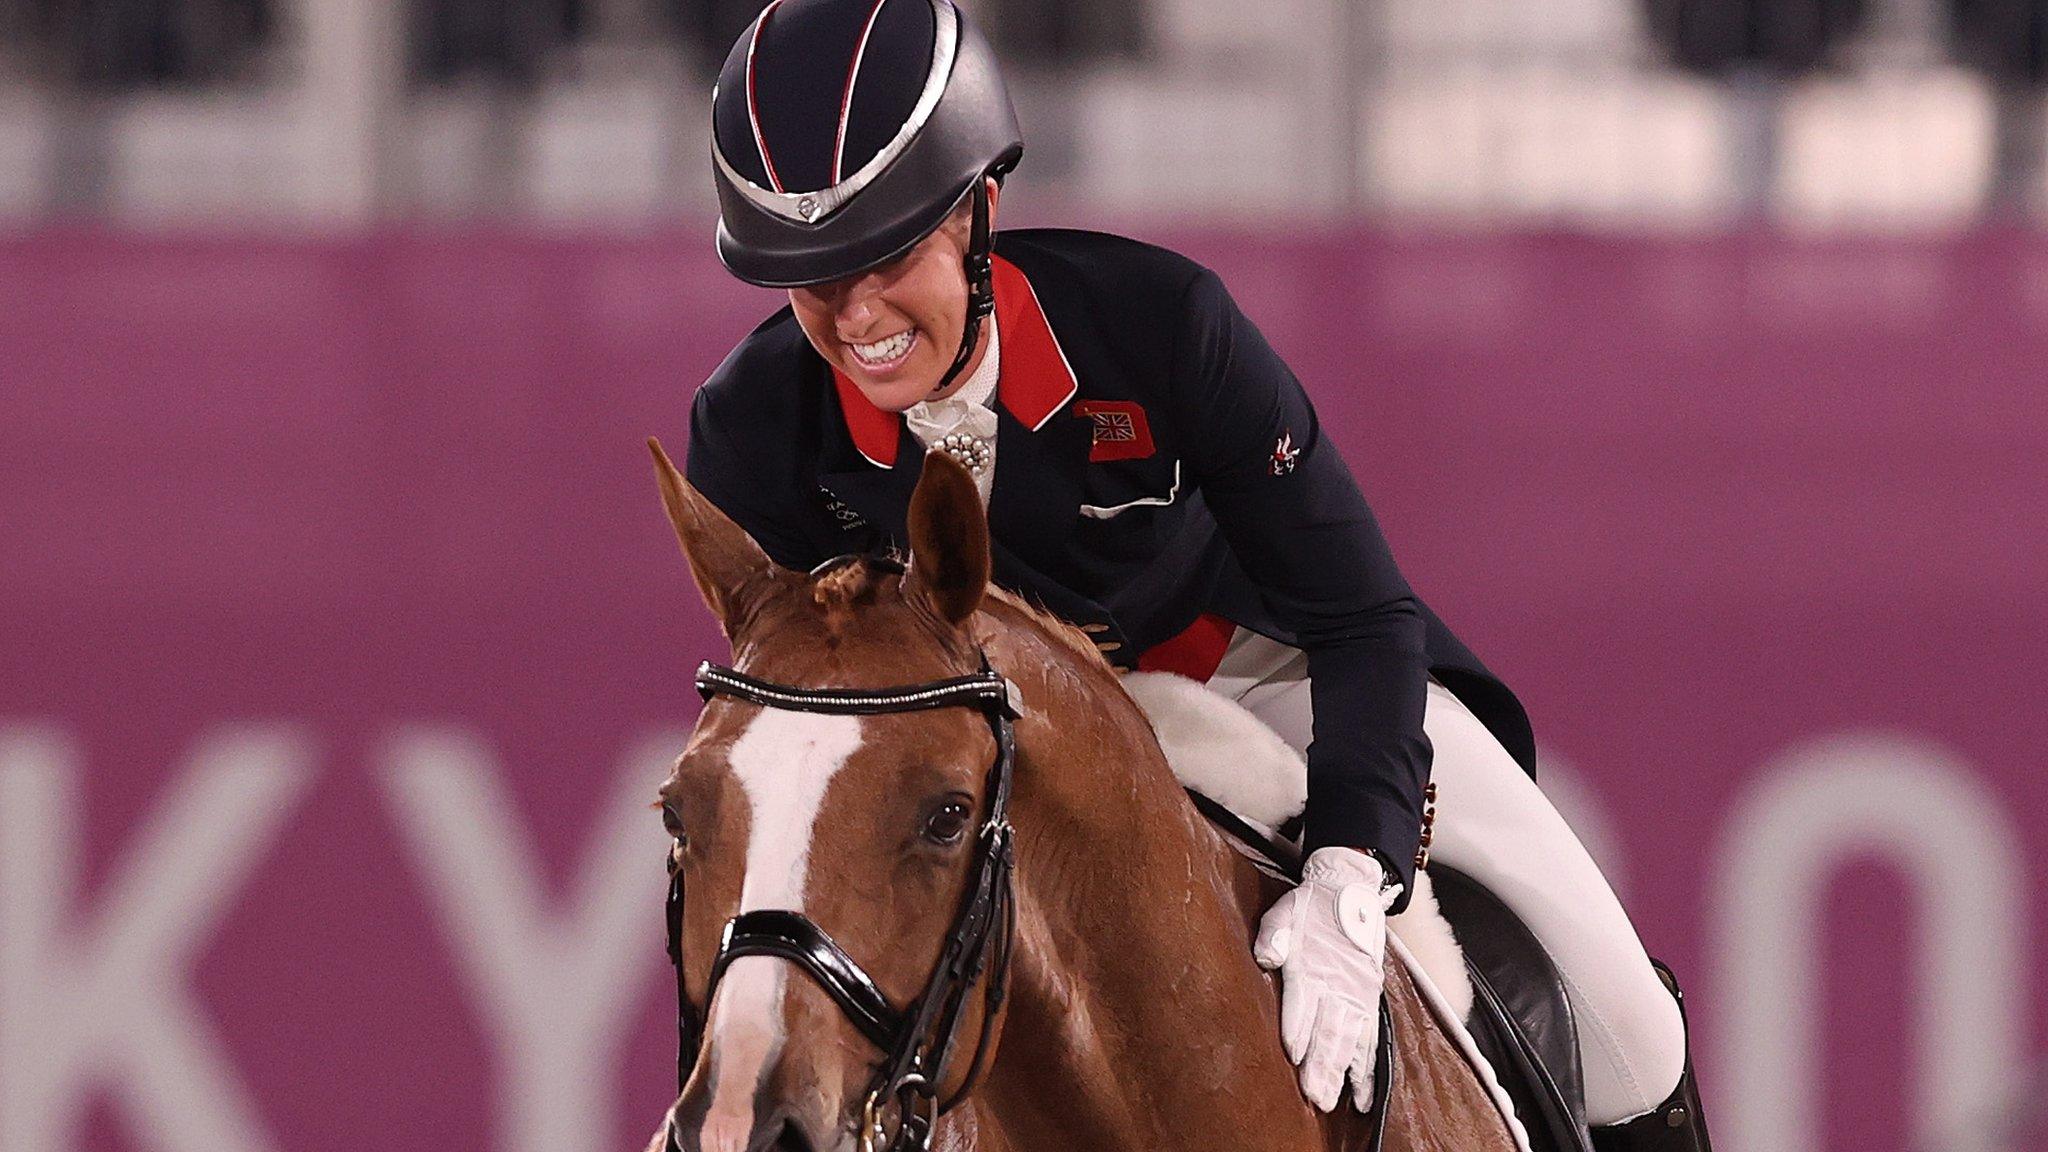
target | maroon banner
[{"x": 344, "y": 641}]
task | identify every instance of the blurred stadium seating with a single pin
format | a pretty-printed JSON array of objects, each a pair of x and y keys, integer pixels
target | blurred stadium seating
[{"x": 1637, "y": 114}]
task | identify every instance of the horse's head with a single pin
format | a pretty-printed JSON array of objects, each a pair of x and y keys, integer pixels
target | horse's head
[{"x": 868, "y": 827}]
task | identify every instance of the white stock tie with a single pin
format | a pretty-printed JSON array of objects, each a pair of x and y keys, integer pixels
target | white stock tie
[{"x": 963, "y": 425}]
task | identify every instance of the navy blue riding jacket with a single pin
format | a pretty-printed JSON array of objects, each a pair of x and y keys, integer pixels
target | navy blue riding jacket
[{"x": 1160, "y": 474}]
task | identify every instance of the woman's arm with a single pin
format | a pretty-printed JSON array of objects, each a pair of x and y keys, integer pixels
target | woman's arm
[
  {"x": 754, "y": 484},
  {"x": 1298, "y": 525}
]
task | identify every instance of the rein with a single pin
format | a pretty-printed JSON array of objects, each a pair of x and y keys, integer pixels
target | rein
[{"x": 917, "y": 1042}]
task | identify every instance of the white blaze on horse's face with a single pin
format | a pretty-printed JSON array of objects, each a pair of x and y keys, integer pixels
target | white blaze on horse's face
[{"x": 784, "y": 762}]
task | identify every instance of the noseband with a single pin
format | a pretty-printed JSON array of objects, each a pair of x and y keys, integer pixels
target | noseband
[{"x": 917, "y": 1042}]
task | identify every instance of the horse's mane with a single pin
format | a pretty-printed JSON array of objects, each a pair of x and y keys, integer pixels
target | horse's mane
[
  {"x": 845, "y": 586},
  {"x": 1055, "y": 629}
]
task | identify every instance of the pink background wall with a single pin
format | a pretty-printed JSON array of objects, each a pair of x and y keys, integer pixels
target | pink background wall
[{"x": 1703, "y": 503}]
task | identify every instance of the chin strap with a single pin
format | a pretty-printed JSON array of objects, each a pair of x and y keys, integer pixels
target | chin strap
[{"x": 981, "y": 286}]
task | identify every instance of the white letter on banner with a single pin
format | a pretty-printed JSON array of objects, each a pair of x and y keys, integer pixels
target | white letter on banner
[
  {"x": 1908, "y": 804},
  {"x": 107, "y": 1007},
  {"x": 556, "y": 989}
]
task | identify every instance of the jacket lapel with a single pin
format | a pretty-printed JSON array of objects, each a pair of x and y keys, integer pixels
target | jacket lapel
[{"x": 1041, "y": 449}]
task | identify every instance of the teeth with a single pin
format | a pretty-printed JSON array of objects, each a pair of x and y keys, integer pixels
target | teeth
[{"x": 883, "y": 351}]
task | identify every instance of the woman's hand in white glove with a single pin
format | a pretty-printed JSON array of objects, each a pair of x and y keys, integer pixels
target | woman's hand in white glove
[{"x": 1328, "y": 940}]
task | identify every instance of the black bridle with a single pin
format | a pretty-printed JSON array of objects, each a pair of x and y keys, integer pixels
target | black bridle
[{"x": 916, "y": 1041}]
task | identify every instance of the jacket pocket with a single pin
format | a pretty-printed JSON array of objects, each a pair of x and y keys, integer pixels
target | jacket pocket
[{"x": 1113, "y": 491}]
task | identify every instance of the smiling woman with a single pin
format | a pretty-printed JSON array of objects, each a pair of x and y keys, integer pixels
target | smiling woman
[{"x": 893, "y": 329}]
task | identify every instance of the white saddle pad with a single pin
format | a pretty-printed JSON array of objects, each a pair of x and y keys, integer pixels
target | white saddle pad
[{"x": 1219, "y": 749}]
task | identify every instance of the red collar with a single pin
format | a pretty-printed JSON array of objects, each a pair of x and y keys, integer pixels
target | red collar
[{"x": 1036, "y": 380}]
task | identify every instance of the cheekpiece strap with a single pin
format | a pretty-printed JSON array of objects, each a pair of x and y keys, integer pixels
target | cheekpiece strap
[{"x": 986, "y": 689}]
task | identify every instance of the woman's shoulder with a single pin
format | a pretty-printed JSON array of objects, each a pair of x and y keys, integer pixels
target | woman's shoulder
[
  {"x": 1117, "y": 268},
  {"x": 762, "y": 372}
]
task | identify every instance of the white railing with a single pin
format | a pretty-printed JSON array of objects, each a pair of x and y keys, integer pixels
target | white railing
[{"x": 1486, "y": 112}]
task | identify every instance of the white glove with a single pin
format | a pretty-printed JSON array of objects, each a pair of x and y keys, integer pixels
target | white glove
[{"x": 1328, "y": 939}]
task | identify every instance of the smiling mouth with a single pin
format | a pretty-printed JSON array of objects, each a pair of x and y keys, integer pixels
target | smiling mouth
[{"x": 886, "y": 353}]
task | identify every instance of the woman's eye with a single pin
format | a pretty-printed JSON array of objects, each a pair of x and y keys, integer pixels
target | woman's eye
[{"x": 947, "y": 824}]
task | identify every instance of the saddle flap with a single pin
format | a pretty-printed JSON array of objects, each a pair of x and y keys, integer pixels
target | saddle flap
[{"x": 1521, "y": 1016}]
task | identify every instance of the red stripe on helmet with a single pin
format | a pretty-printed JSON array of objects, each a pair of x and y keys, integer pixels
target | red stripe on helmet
[
  {"x": 753, "y": 110},
  {"x": 846, "y": 101}
]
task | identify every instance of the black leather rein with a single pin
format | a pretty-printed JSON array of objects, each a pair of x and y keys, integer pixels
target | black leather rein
[{"x": 917, "y": 1041}]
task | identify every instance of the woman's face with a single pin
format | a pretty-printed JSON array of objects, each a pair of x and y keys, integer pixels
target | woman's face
[{"x": 894, "y": 330}]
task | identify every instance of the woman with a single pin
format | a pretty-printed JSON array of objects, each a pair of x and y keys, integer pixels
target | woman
[{"x": 1154, "y": 474}]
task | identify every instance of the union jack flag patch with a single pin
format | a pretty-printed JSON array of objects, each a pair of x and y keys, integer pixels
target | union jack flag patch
[
  {"x": 1120, "y": 431},
  {"x": 1114, "y": 427}
]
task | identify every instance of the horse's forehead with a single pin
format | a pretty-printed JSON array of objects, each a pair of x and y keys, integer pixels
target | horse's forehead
[
  {"x": 784, "y": 762},
  {"x": 788, "y": 766},
  {"x": 769, "y": 749}
]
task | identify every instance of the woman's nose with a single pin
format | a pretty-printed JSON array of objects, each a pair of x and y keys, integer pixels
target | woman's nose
[{"x": 861, "y": 308}]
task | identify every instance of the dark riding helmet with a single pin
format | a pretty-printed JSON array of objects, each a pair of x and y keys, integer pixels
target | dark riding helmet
[{"x": 846, "y": 131}]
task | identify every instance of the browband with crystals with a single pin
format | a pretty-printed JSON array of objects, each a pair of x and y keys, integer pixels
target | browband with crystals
[{"x": 985, "y": 688}]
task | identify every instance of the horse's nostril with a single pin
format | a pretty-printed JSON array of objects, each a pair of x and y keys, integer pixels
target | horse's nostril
[{"x": 790, "y": 1139}]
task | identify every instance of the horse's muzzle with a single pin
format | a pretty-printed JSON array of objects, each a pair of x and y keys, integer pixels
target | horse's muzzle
[{"x": 776, "y": 1121}]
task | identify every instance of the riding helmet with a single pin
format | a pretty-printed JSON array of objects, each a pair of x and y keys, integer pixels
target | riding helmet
[{"x": 846, "y": 131}]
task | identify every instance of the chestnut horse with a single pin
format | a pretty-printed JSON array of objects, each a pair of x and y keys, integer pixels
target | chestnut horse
[{"x": 1135, "y": 1017}]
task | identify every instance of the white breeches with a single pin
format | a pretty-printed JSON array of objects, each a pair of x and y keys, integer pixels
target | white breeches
[{"x": 1494, "y": 825}]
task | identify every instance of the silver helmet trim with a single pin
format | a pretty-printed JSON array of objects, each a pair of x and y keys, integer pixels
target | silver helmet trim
[{"x": 814, "y": 208}]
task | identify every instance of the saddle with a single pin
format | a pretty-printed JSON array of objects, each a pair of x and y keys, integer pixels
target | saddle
[{"x": 1520, "y": 1019}]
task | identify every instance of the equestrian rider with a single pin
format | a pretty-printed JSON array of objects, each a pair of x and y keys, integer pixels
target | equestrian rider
[{"x": 1153, "y": 473}]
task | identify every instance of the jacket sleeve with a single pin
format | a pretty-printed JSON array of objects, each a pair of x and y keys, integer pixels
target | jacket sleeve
[
  {"x": 1303, "y": 533},
  {"x": 756, "y": 488}
]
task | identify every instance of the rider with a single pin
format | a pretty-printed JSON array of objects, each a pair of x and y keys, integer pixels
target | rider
[{"x": 1155, "y": 475}]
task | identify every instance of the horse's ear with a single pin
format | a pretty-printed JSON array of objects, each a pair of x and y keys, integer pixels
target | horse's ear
[
  {"x": 722, "y": 556},
  {"x": 949, "y": 562}
]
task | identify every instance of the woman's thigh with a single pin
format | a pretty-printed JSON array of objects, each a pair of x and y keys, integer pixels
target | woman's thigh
[{"x": 1495, "y": 825}]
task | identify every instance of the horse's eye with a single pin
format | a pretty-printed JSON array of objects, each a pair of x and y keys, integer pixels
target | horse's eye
[{"x": 948, "y": 824}]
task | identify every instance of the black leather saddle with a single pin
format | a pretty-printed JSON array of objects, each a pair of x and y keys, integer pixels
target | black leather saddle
[{"x": 1521, "y": 1016}]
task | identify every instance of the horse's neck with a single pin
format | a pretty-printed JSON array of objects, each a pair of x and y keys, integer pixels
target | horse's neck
[{"x": 1139, "y": 1018}]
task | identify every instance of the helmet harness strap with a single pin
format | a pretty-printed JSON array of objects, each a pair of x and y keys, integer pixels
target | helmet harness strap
[{"x": 981, "y": 287}]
